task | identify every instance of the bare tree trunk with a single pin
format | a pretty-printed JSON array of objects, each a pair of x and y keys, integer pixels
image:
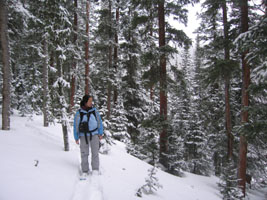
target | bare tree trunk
[
  {"x": 6, "y": 66},
  {"x": 245, "y": 101},
  {"x": 61, "y": 104},
  {"x": 45, "y": 84},
  {"x": 228, "y": 125},
  {"x": 151, "y": 35},
  {"x": 230, "y": 136},
  {"x": 110, "y": 66},
  {"x": 87, "y": 83},
  {"x": 115, "y": 95},
  {"x": 163, "y": 84},
  {"x": 65, "y": 137},
  {"x": 73, "y": 75}
]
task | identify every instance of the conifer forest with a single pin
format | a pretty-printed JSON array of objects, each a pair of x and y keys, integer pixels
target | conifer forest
[{"x": 182, "y": 104}]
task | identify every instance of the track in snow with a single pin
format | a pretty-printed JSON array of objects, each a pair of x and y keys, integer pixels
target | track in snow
[{"x": 89, "y": 189}]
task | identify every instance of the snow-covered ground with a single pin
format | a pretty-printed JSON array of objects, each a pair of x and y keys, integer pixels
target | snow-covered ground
[{"x": 33, "y": 166}]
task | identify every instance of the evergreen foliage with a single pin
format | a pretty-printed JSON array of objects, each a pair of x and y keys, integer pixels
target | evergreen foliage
[
  {"x": 152, "y": 184},
  {"x": 119, "y": 122},
  {"x": 228, "y": 183}
]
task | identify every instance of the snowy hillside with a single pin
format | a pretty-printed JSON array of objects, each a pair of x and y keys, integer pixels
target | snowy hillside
[{"x": 35, "y": 167}]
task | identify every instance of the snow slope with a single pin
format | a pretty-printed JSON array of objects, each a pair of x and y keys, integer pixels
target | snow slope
[{"x": 33, "y": 166}]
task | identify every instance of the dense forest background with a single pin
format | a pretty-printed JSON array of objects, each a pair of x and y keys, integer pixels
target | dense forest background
[{"x": 203, "y": 112}]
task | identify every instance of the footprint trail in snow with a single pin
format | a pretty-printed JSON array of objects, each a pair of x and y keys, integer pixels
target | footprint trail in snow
[{"x": 89, "y": 189}]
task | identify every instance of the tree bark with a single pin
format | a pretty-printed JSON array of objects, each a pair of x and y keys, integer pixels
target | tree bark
[
  {"x": 6, "y": 66},
  {"x": 87, "y": 83},
  {"x": 65, "y": 137},
  {"x": 151, "y": 35},
  {"x": 61, "y": 102},
  {"x": 109, "y": 66},
  {"x": 163, "y": 84},
  {"x": 245, "y": 101},
  {"x": 227, "y": 84},
  {"x": 73, "y": 75},
  {"x": 45, "y": 84},
  {"x": 115, "y": 96}
]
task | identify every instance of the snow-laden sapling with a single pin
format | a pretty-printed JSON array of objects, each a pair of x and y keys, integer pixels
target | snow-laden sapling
[{"x": 152, "y": 183}]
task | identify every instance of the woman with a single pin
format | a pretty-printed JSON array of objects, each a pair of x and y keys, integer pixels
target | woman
[{"x": 88, "y": 130}]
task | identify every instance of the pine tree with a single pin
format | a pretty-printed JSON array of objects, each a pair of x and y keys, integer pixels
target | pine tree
[
  {"x": 131, "y": 83},
  {"x": 25, "y": 77},
  {"x": 87, "y": 82},
  {"x": 37, "y": 81},
  {"x": 163, "y": 84},
  {"x": 228, "y": 124},
  {"x": 197, "y": 138},
  {"x": 245, "y": 101},
  {"x": 118, "y": 122},
  {"x": 145, "y": 144},
  {"x": 218, "y": 68},
  {"x": 73, "y": 75},
  {"x": 179, "y": 114},
  {"x": 152, "y": 184},
  {"x": 229, "y": 183},
  {"x": 102, "y": 56},
  {"x": 80, "y": 50},
  {"x": 253, "y": 40}
]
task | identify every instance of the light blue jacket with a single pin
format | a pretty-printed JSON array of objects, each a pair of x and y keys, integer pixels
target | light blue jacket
[{"x": 93, "y": 123}]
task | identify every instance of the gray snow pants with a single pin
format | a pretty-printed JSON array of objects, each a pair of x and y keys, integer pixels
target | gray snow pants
[{"x": 94, "y": 144}]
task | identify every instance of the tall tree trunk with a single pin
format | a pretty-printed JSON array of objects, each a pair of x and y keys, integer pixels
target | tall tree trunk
[
  {"x": 62, "y": 109},
  {"x": 109, "y": 65},
  {"x": 228, "y": 125},
  {"x": 163, "y": 84},
  {"x": 245, "y": 101},
  {"x": 45, "y": 83},
  {"x": 73, "y": 75},
  {"x": 115, "y": 96},
  {"x": 87, "y": 84},
  {"x": 151, "y": 35},
  {"x": 227, "y": 84},
  {"x": 6, "y": 66}
]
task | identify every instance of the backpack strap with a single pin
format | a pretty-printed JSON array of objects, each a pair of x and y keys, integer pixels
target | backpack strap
[
  {"x": 81, "y": 117},
  {"x": 88, "y": 117}
]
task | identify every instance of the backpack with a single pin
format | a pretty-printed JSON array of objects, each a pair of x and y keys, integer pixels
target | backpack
[{"x": 83, "y": 126}]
